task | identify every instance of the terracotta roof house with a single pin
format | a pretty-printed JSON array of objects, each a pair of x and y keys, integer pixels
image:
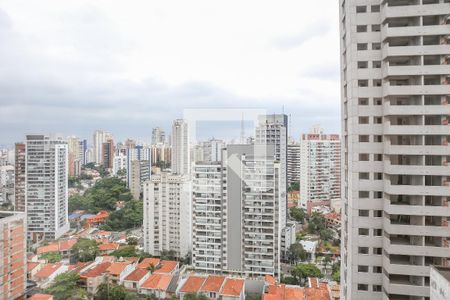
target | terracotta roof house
[
  {"x": 212, "y": 286},
  {"x": 167, "y": 267},
  {"x": 64, "y": 247},
  {"x": 41, "y": 297},
  {"x": 118, "y": 271},
  {"x": 233, "y": 289},
  {"x": 317, "y": 290},
  {"x": 47, "y": 274},
  {"x": 191, "y": 285},
  {"x": 283, "y": 292},
  {"x": 107, "y": 248},
  {"x": 147, "y": 262},
  {"x": 94, "y": 276},
  {"x": 135, "y": 279},
  {"x": 33, "y": 268},
  {"x": 157, "y": 285}
]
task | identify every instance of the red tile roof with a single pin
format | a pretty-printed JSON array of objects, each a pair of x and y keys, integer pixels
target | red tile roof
[
  {"x": 282, "y": 292},
  {"x": 233, "y": 287},
  {"x": 66, "y": 245},
  {"x": 318, "y": 291},
  {"x": 41, "y": 297},
  {"x": 96, "y": 271},
  {"x": 117, "y": 268},
  {"x": 270, "y": 280},
  {"x": 167, "y": 267},
  {"x": 146, "y": 262},
  {"x": 48, "y": 270},
  {"x": 213, "y": 284},
  {"x": 32, "y": 265},
  {"x": 63, "y": 245},
  {"x": 48, "y": 248},
  {"x": 157, "y": 282},
  {"x": 192, "y": 284},
  {"x": 137, "y": 275},
  {"x": 108, "y": 247}
]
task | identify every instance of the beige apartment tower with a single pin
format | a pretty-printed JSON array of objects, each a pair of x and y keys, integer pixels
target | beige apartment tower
[{"x": 395, "y": 91}]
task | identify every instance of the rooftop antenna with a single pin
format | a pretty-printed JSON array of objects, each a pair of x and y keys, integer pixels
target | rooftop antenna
[{"x": 242, "y": 129}]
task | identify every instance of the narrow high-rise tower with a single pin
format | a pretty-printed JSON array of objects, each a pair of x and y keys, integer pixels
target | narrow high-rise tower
[
  {"x": 181, "y": 161},
  {"x": 46, "y": 187},
  {"x": 395, "y": 92}
]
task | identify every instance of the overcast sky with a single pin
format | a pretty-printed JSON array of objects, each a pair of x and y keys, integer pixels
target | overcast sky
[{"x": 126, "y": 66}]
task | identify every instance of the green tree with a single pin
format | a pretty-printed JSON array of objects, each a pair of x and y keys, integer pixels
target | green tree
[
  {"x": 336, "y": 271},
  {"x": 132, "y": 241},
  {"x": 121, "y": 172},
  {"x": 295, "y": 186},
  {"x": 52, "y": 257},
  {"x": 326, "y": 234},
  {"x": 65, "y": 286},
  {"x": 326, "y": 262},
  {"x": 302, "y": 271},
  {"x": 316, "y": 223},
  {"x": 298, "y": 214},
  {"x": 296, "y": 253},
  {"x": 131, "y": 216},
  {"x": 84, "y": 250},
  {"x": 127, "y": 251}
]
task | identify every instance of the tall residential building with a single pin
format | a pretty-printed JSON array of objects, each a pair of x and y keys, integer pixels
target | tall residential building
[
  {"x": 161, "y": 155},
  {"x": 108, "y": 153},
  {"x": 320, "y": 168},
  {"x": 13, "y": 252},
  {"x": 119, "y": 163},
  {"x": 99, "y": 138},
  {"x": 273, "y": 130},
  {"x": 237, "y": 214},
  {"x": 74, "y": 156},
  {"x": 138, "y": 169},
  {"x": 395, "y": 113},
  {"x": 158, "y": 136},
  {"x": 293, "y": 163},
  {"x": 46, "y": 187},
  {"x": 19, "y": 177},
  {"x": 168, "y": 214},
  {"x": 208, "y": 151},
  {"x": 181, "y": 162},
  {"x": 83, "y": 148},
  {"x": 7, "y": 179}
]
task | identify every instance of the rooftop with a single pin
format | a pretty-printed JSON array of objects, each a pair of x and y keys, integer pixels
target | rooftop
[
  {"x": 137, "y": 275},
  {"x": 193, "y": 284},
  {"x": 41, "y": 297},
  {"x": 117, "y": 268},
  {"x": 282, "y": 292},
  {"x": 157, "y": 281},
  {"x": 233, "y": 287},
  {"x": 97, "y": 270},
  {"x": 167, "y": 267},
  {"x": 48, "y": 270},
  {"x": 108, "y": 246},
  {"x": 213, "y": 284},
  {"x": 147, "y": 262},
  {"x": 32, "y": 265}
]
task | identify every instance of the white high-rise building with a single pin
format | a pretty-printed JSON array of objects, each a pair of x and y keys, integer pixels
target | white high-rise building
[
  {"x": 237, "y": 214},
  {"x": 99, "y": 137},
  {"x": 273, "y": 130},
  {"x": 293, "y": 163},
  {"x": 320, "y": 168},
  {"x": 181, "y": 162},
  {"x": 395, "y": 134},
  {"x": 158, "y": 136},
  {"x": 168, "y": 214},
  {"x": 208, "y": 151},
  {"x": 120, "y": 162},
  {"x": 46, "y": 198},
  {"x": 138, "y": 168}
]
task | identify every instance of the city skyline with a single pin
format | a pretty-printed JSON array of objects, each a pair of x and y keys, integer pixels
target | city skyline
[{"x": 93, "y": 69}]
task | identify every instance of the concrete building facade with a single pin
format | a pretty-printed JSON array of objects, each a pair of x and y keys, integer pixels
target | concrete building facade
[
  {"x": 168, "y": 214},
  {"x": 46, "y": 198},
  {"x": 395, "y": 135},
  {"x": 181, "y": 161}
]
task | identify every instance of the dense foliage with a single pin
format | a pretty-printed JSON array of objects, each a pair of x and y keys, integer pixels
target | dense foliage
[
  {"x": 52, "y": 257},
  {"x": 295, "y": 186},
  {"x": 302, "y": 271},
  {"x": 65, "y": 286},
  {"x": 106, "y": 291},
  {"x": 131, "y": 216},
  {"x": 317, "y": 225},
  {"x": 127, "y": 251},
  {"x": 298, "y": 214},
  {"x": 102, "y": 196},
  {"x": 84, "y": 250},
  {"x": 296, "y": 253}
]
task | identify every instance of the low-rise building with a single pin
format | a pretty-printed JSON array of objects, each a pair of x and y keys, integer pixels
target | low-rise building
[
  {"x": 157, "y": 285},
  {"x": 41, "y": 297},
  {"x": 107, "y": 248},
  {"x": 233, "y": 289},
  {"x": 135, "y": 279},
  {"x": 64, "y": 247},
  {"x": 117, "y": 271},
  {"x": 45, "y": 276},
  {"x": 212, "y": 286},
  {"x": 93, "y": 277}
]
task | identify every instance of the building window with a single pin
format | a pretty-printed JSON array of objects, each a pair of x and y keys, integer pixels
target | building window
[
  {"x": 361, "y": 9},
  {"x": 376, "y": 64},
  {"x": 376, "y": 82},
  {"x": 363, "y": 250},
  {"x": 377, "y": 251},
  {"x": 361, "y": 28},
  {"x": 363, "y": 138},
  {"x": 377, "y": 213},
  {"x": 376, "y": 288},
  {"x": 377, "y": 269},
  {"x": 363, "y": 194},
  {"x": 363, "y": 231},
  {"x": 364, "y": 175},
  {"x": 376, "y": 46},
  {"x": 363, "y": 120},
  {"x": 361, "y": 46},
  {"x": 378, "y": 176},
  {"x": 376, "y": 28},
  {"x": 375, "y": 8},
  {"x": 378, "y": 157},
  {"x": 363, "y": 287},
  {"x": 377, "y": 120},
  {"x": 377, "y": 232},
  {"x": 363, "y": 83},
  {"x": 363, "y": 213},
  {"x": 363, "y": 269},
  {"x": 363, "y": 157},
  {"x": 363, "y": 101},
  {"x": 363, "y": 64},
  {"x": 377, "y": 138},
  {"x": 377, "y": 101}
]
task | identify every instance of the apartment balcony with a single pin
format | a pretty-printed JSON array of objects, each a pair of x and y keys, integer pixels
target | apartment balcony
[
  {"x": 400, "y": 110},
  {"x": 404, "y": 267},
  {"x": 404, "y": 288},
  {"x": 416, "y": 169},
  {"x": 405, "y": 90},
  {"x": 414, "y": 10},
  {"x": 388, "y": 51},
  {"x": 416, "y": 149},
  {"x": 389, "y": 129},
  {"x": 410, "y": 229},
  {"x": 405, "y": 31},
  {"x": 416, "y": 210},
  {"x": 415, "y": 70}
]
